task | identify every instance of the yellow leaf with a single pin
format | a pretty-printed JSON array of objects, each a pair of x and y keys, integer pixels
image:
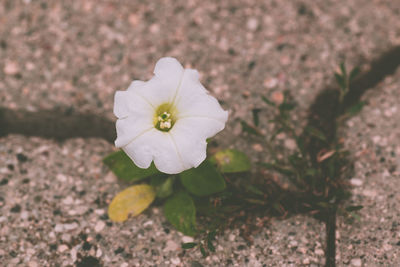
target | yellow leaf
[{"x": 131, "y": 201}]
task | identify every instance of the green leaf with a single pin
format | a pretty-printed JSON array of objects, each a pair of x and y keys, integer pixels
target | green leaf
[
  {"x": 354, "y": 73},
  {"x": 286, "y": 106},
  {"x": 203, "y": 251},
  {"x": 131, "y": 201},
  {"x": 311, "y": 172},
  {"x": 211, "y": 235},
  {"x": 124, "y": 168},
  {"x": 203, "y": 180},
  {"x": 231, "y": 160},
  {"x": 281, "y": 169},
  {"x": 355, "y": 216},
  {"x": 343, "y": 70},
  {"x": 355, "y": 109},
  {"x": 162, "y": 185},
  {"x": 210, "y": 245},
  {"x": 180, "y": 211},
  {"x": 316, "y": 133},
  {"x": 256, "y": 118},
  {"x": 340, "y": 80},
  {"x": 250, "y": 128},
  {"x": 354, "y": 208},
  {"x": 188, "y": 245},
  {"x": 253, "y": 189},
  {"x": 267, "y": 101}
]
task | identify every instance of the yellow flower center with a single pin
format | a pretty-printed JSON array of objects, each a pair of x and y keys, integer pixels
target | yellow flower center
[{"x": 164, "y": 117}]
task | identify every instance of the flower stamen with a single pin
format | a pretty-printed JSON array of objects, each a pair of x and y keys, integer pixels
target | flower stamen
[
  {"x": 165, "y": 121},
  {"x": 164, "y": 118}
]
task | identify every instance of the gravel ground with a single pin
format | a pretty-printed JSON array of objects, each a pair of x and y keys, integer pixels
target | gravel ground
[
  {"x": 76, "y": 54},
  {"x": 374, "y": 139}
]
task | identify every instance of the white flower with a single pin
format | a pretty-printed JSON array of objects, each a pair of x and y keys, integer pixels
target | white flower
[{"x": 167, "y": 119}]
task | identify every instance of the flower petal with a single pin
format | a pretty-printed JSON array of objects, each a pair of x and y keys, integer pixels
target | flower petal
[
  {"x": 194, "y": 100},
  {"x": 198, "y": 128},
  {"x": 193, "y": 149},
  {"x": 131, "y": 127},
  {"x": 167, "y": 67},
  {"x": 128, "y": 103},
  {"x": 158, "y": 146},
  {"x": 163, "y": 86}
]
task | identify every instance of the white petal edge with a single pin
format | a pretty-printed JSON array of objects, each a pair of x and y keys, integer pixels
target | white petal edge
[
  {"x": 130, "y": 128},
  {"x": 156, "y": 146},
  {"x": 198, "y": 128},
  {"x": 128, "y": 103},
  {"x": 194, "y": 100}
]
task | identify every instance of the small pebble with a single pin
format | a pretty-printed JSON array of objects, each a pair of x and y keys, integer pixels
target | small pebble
[
  {"x": 356, "y": 262},
  {"x": 11, "y": 68},
  {"x": 175, "y": 261},
  {"x": 99, "y": 226},
  {"x": 171, "y": 246},
  {"x": 187, "y": 239},
  {"x": 99, "y": 253},
  {"x": 270, "y": 82},
  {"x": 257, "y": 147},
  {"x": 319, "y": 252},
  {"x": 252, "y": 24},
  {"x": 277, "y": 97},
  {"x": 68, "y": 200},
  {"x": 356, "y": 182},
  {"x": 290, "y": 144},
  {"x": 62, "y": 248}
]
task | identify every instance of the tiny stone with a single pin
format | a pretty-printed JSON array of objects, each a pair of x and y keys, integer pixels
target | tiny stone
[
  {"x": 319, "y": 252},
  {"x": 356, "y": 182},
  {"x": 277, "y": 97},
  {"x": 306, "y": 261},
  {"x": 369, "y": 193},
  {"x": 70, "y": 226},
  {"x": 61, "y": 177},
  {"x": 376, "y": 139},
  {"x": 187, "y": 239},
  {"x": 356, "y": 262},
  {"x": 59, "y": 228},
  {"x": 68, "y": 200},
  {"x": 66, "y": 238},
  {"x": 270, "y": 82},
  {"x": 232, "y": 237},
  {"x": 302, "y": 250},
  {"x": 171, "y": 246},
  {"x": 99, "y": 253},
  {"x": 74, "y": 254},
  {"x": 62, "y": 248},
  {"x": 387, "y": 247},
  {"x": 24, "y": 215},
  {"x": 147, "y": 223},
  {"x": 175, "y": 261},
  {"x": 32, "y": 264},
  {"x": 257, "y": 147},
  {"x": 252, "y": 24},
  {"x": 99, "y": 226},
  {"x": 290, "y": 144},
  {"x": 11, "y": 68}
]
